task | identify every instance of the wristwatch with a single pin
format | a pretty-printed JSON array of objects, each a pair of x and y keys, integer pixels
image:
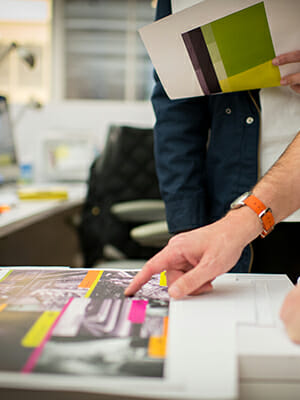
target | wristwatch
[{"x": 264, "y": 213}]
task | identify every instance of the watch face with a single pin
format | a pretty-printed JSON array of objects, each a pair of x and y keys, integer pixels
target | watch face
[{"x": 239, "y": 201}]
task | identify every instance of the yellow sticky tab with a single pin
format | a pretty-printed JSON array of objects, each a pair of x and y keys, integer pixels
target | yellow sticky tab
[
  {"x": 5, "y": 275},
  {"x": 94, "y": 284},
  {"x": 43, "y": 194},
  {"x": 2, "y": 306},
  {"x": 39, "y": 330},
  {"x": 157, "y": 346},
  {"x": 163, "y": 279}
]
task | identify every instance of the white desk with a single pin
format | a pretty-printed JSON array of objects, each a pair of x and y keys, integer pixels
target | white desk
[{"x": 41, "y": 232}]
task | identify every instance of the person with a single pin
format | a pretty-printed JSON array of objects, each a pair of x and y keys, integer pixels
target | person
[
  {"x": 207, "y": 151},
  {"x": 290, "y": 314},
  {"x": 193, "y": 259}
]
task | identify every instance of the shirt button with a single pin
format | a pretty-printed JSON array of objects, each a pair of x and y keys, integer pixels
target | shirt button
[
  {"x": 249, "y": 120},
  {"x": 95, "y": 211},
  {"x": 228, "y": 111}
]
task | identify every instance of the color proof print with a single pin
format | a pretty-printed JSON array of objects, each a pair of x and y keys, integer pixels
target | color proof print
[
  {"x": 70, "y": 322},
  {"x": 234, "y": 52}
]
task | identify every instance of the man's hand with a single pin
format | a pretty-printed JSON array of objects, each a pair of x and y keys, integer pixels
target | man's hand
[
  {"x": 193, "y": 259},
  {"x": 292, "y": 80},
  {"x": 290, "y": 314}
]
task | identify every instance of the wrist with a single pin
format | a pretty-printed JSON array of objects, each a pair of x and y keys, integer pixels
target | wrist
[
  {"x": 267, "y": 195},
  {"x": 263, "y": 212},
  {"x": 245, "y": 224}
]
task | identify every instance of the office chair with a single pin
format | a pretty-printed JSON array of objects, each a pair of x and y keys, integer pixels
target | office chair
[
  {"x": 154, "y": 232},
  {"x": 123, "y": 173}
]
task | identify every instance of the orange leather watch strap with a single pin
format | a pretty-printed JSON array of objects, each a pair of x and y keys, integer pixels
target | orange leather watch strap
[{"x": 264, "y": 213}]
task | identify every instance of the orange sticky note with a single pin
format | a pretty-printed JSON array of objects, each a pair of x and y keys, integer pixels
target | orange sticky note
[
  {"x": 157, "y": 346},
  {"x": 94, "y": 284},
  {"x": 166, "y": 324},
  {"x": 4, "y": 208},
  {"x": 2, "y": 306},
  {"x": 89, "y": 279}
]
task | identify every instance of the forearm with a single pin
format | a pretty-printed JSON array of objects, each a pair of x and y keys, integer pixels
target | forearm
[{"x": 279, "y": 189}]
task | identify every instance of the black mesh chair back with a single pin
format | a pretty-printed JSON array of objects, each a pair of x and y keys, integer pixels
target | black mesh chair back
[{"x": 124, "y": 171}]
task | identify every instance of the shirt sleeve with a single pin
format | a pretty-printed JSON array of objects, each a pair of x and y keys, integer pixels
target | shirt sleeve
[{"x": 180, "y": 142}]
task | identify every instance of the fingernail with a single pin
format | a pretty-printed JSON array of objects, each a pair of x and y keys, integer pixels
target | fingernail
[
  {"x": 275, "y": 61},
  {"x": 284, "y": 81},
  {"x": 127, "y": 293},
  {"x": 175, "y": 292}
]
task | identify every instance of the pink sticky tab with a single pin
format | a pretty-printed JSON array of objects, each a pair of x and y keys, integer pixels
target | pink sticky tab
[{"x": 137, "y": 311}]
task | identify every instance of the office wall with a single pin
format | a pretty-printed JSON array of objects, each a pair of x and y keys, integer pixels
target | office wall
[{"x": 90, "y": 117}]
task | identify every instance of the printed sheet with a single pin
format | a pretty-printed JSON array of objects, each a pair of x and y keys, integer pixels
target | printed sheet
[{"x": 78, "y": 322}]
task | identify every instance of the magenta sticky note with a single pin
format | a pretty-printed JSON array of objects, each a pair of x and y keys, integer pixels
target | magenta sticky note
[{"x": 137, "y": 311}]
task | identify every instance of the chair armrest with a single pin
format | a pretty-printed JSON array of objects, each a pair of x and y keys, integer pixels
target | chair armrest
[
  {"x": 154, "y": 234},
  {"x": 139, "y": 210}
]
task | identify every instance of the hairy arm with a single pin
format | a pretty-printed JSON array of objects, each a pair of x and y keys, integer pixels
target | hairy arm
[
  {"x": 280, "y": 187},
  {"x": 193, "y": 259}
]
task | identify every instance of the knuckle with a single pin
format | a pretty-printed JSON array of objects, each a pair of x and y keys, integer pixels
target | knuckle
[
  {"x": 176, "y": 245},
  {"x": 209, "y": 261},
  {"x": 177, "y": 239},
  {"x": 172, "y": 241}
]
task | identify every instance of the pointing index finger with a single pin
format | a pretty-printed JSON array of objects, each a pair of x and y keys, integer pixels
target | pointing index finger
[{"x": 155, "y": 265}]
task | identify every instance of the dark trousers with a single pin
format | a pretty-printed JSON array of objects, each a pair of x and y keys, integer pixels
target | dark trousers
[{"x": 279, "y": 252}]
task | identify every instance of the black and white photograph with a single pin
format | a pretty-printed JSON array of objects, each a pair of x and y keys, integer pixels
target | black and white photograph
[
  {"x": 98, "y": 330},
  {"x": 38, "y": 290}
]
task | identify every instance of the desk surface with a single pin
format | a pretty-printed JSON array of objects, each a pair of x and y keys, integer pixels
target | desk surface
[{"x": 27, "y": 212}]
